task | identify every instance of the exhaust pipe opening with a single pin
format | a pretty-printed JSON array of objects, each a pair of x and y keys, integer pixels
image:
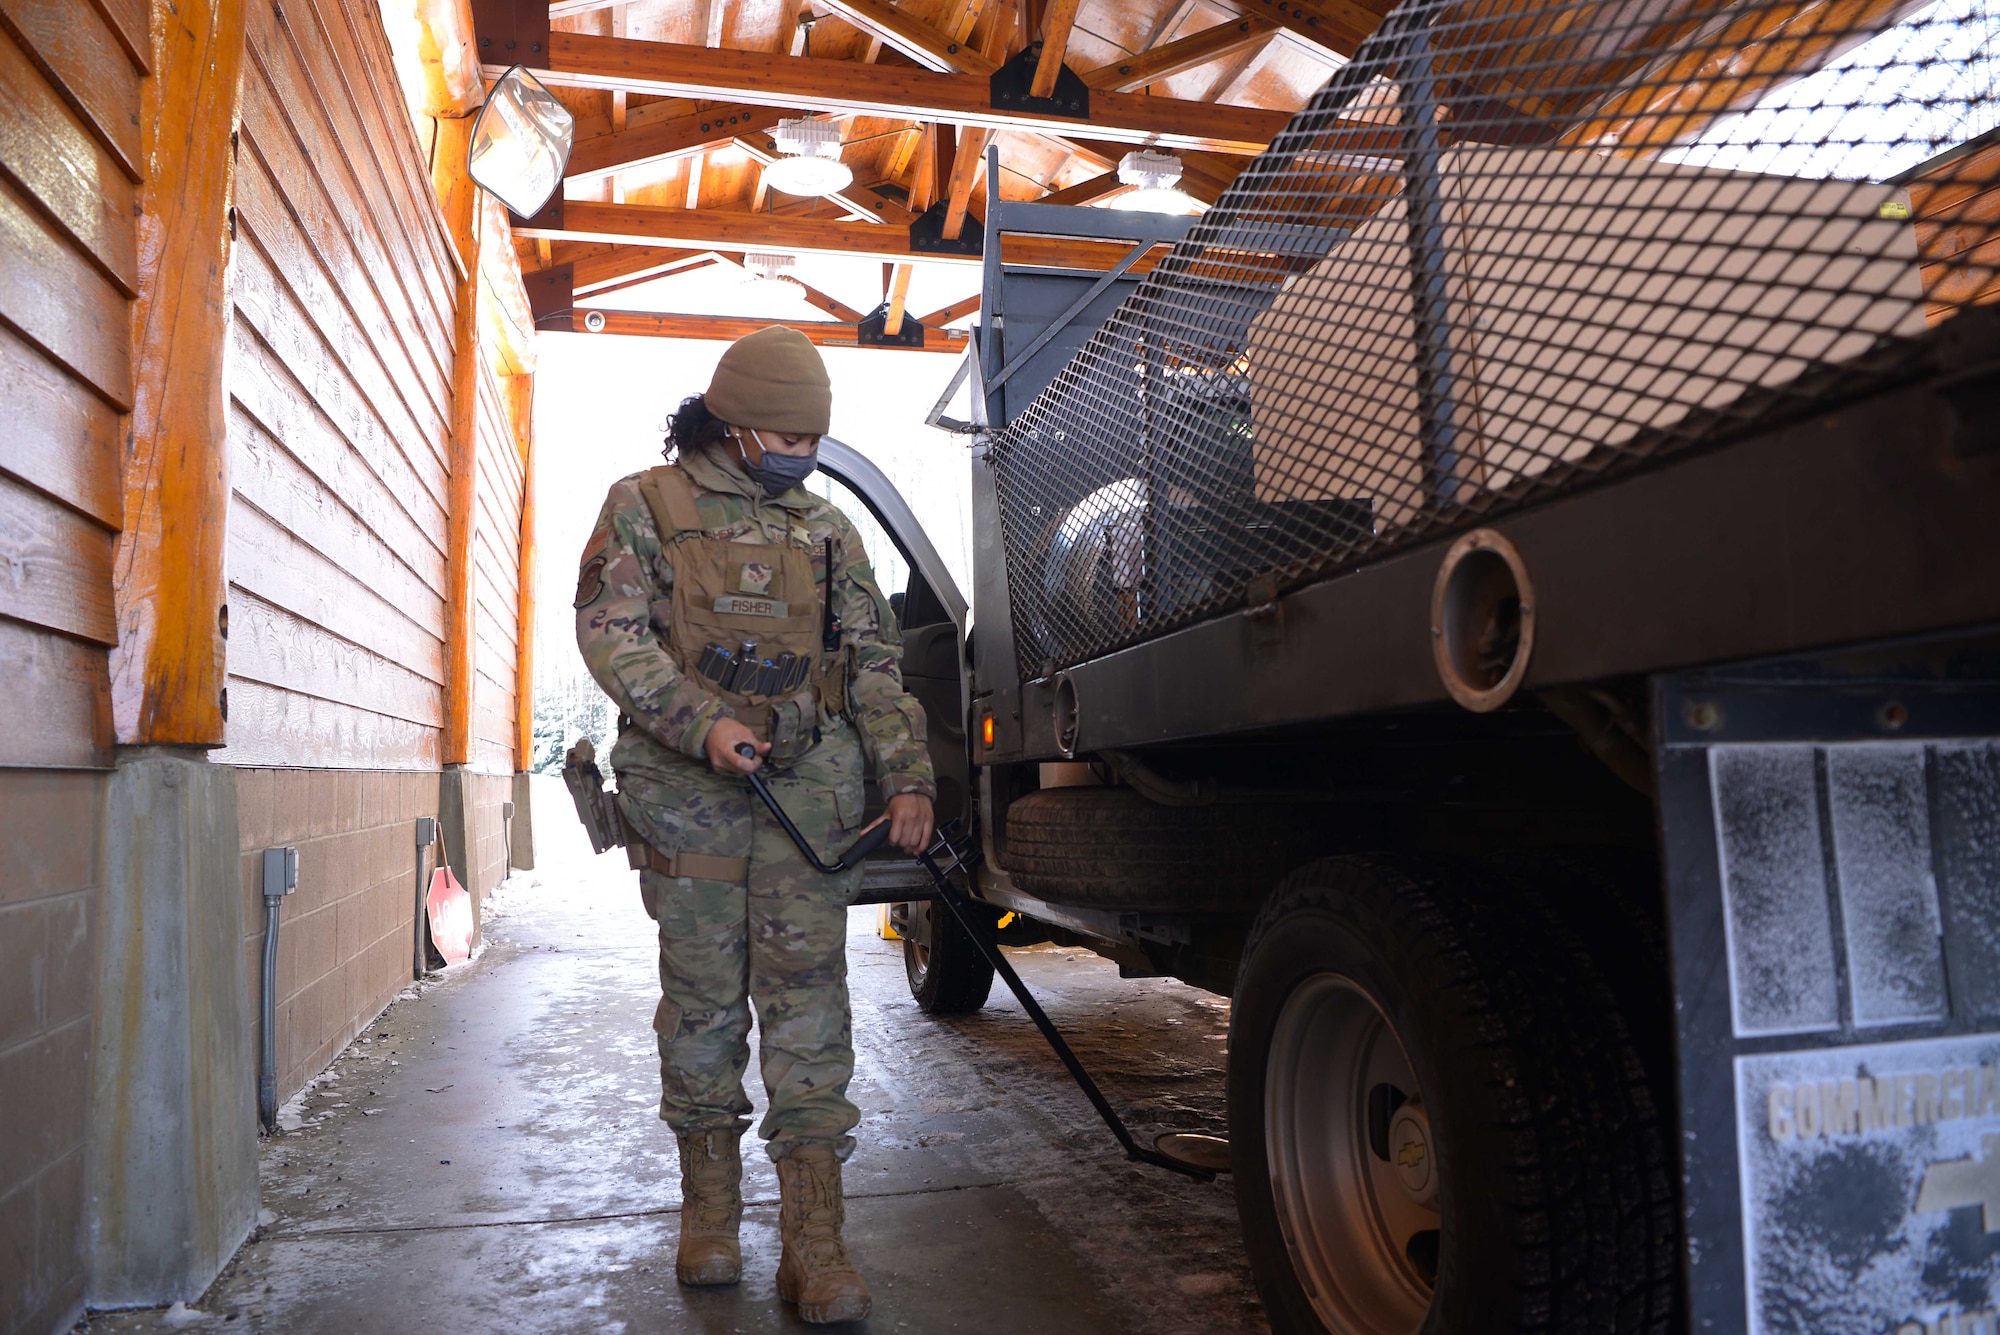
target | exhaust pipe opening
[{"x": 1482, "y": 620}]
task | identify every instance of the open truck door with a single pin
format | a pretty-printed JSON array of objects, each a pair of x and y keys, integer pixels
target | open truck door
[{"x": 946, "y": 973}]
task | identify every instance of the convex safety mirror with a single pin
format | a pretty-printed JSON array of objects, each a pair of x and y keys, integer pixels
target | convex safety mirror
[{"x": 521, "y": 142}]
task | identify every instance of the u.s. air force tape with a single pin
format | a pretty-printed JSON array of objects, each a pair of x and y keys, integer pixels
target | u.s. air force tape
[{"x": 742, "y": 605}]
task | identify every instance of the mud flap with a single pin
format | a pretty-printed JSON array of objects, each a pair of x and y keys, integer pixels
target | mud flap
[{"x": 1831, "y": 831}]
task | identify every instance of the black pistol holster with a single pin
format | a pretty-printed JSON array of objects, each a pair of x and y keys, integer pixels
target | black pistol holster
[{"x": 597, "y": 808}]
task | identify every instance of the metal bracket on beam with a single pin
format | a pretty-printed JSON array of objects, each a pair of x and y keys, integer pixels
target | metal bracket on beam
[
  {"x": 552, "y": 297},
  {"x": 512, "y": 32},
  {"x": 868, "y": 333},
  {"x": 550, "y": 218},
  {"x": 1011, "y": 82},
  {"x": 927, "y": 235}
]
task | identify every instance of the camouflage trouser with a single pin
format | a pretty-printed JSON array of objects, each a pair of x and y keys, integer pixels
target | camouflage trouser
[{"x": 779, "y": 941}]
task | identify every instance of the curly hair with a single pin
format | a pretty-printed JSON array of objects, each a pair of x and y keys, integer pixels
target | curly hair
[{"x": 692, "y": 426}]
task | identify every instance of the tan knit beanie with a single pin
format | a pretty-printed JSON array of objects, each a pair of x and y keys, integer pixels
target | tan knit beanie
[{"x": 772, "y": 380}]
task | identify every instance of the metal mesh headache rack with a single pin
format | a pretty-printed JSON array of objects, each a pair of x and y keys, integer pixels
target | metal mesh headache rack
[{"x": 1509, "y": 248}]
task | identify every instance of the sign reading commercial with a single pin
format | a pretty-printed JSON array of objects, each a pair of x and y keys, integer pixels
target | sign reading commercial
[{"x": 1871, "y": 1188}]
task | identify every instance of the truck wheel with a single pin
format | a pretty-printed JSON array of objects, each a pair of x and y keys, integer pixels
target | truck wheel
[
  {"x": 948, "y": 975},
  {"x": 1436, "y": 1117}
]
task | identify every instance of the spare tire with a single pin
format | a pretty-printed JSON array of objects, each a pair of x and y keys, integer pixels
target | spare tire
[{"x": 1112, "y": 848}]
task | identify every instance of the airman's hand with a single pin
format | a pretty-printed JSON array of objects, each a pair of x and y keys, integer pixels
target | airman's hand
[
  {"x": 912, "y": 822},
  {"x": 724, "y": 736}
]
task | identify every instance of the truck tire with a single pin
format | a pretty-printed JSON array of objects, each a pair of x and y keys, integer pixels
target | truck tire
[
  {"x": 948, "y": 975},
  {"x": 1437, "y": 1120},
  {"x": 1613, "y": 901},
  {"x": 1112, "y": 848}
]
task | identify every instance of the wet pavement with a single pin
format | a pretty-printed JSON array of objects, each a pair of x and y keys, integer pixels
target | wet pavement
[{"x": 488, "y": 1157}]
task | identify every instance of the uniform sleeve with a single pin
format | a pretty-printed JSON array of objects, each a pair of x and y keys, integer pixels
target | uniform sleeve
[
  {"x": 616, "y": 587},
  {"x": 891, "y": 721}
]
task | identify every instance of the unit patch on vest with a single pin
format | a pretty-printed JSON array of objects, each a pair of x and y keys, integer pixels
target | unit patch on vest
[
  {"x": 755, "y": 578},
  {"x": 742, "y": 605},
  {"x": 589, "y": 582}
]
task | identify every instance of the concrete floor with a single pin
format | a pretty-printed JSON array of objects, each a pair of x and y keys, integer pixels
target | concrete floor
[{"x": 488, "y": 1157}]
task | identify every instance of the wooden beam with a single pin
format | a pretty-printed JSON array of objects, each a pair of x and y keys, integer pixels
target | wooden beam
[
  {"x": 713, "y": 229},
  {"x": 1188, "y": 53},
  {"x": 460, "y": 200},
  {"x": 449, "y": 53},
  {"x": 856, "y": 198},
  {"x": 833, "y": 306},
  {"x": 691, "y": 197},
  {"x": 944, "y": 157},
  {"x": 169, "y": 590},
  {"x": 913, "y": 153},
  {"x": 1169, "y": 22},
  {"x": 711, "y": 13},
  {"x": 899, "y": 300},
  {"x": 729, "y": 328},
  {"x": 1097, "y": 187},
  {"x": 509, "y": 320},
  {"x": 661, "y": 141},
  {"x": 699, "y": 262},
  {"x": 569, "y": 9},
  {"x": 958, "y": 310},
  {"x": 595, "y": 267},
  {"x": 521, "y": 413},
  {"x": 619, "y": 96},
  {"x": 964, "y": 172},
  {"x": 663, "y": 69},
  {"x": 1340, "y": 26},
  {"x": 1057, "y": 22},
  {"x": 929, "y": 47}
]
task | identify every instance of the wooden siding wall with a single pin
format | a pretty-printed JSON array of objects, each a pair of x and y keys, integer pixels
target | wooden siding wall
[
  {"x": 496, "y": 580},
  {"x": 70, "y": 172},
  {"x": 340, "y": 410},
  {"x": 70, "y": 164}
]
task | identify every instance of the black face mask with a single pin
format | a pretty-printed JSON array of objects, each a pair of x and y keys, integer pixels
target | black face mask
[{"x": 779, "y": 472}]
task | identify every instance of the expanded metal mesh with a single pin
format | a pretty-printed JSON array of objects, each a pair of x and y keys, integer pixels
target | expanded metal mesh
[{"x": 1508, "y": 248}]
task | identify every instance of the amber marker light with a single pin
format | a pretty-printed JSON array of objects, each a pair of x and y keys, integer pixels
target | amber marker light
[{"x": 986, "y": 732}]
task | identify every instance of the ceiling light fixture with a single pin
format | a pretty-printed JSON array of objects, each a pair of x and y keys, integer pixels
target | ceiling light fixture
[
  {"x": 768, "y": 269},
  {"x": 1153, "y": 176},
  {"x": 520, "y": 143},
  {"x": 811, "y": 163}
]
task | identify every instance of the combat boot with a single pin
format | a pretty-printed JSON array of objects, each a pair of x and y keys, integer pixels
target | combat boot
[
  {"x": 711, "y": 1207},
  {"x": 814, "y": 1270}
]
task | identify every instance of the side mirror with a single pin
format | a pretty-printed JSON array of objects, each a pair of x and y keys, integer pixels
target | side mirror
[{"x": 521, "y": 142}]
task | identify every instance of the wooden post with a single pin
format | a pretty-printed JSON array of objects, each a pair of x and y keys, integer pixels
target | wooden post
[
  {"x": 459, "y": 197},
  {"x": 1057, "y": 20},
  {"x": 168, "y": 669},
  {"x": 899, "y": 296},
  {"x": 521, "y": 393}
]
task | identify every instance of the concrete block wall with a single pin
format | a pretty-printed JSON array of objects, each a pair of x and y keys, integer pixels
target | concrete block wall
[
  {"x": 345, "y": 936},
  {"x": 50, "y": 867},
  {"x": 489, "y": 829}
]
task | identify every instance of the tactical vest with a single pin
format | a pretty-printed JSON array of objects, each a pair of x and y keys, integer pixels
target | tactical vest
[{"x": 730, "y": 591}]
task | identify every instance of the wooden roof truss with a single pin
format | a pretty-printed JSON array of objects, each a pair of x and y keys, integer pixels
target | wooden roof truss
[{"x": 676, "y": 101}]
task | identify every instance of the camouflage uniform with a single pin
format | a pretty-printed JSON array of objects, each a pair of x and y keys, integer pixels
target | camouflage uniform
[{"x": 778, "y": 939}]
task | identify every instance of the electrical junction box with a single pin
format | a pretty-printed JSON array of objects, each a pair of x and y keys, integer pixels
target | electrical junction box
[{"x": 281, "y": 871}]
